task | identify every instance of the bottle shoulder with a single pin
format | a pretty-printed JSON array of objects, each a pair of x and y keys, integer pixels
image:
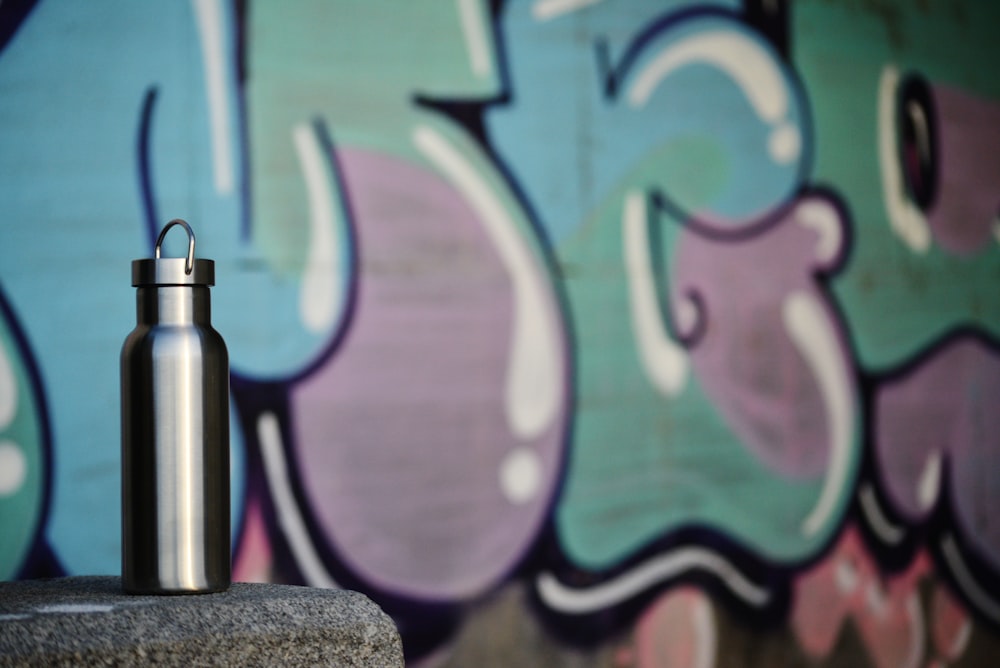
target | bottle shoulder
[{"x": 172, "y": 339}]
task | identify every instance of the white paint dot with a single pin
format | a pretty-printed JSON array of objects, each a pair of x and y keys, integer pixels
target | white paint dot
[
  {"x": 687, "y": 315},
  {"x": 13, "y": 468},
  {"x": 785, "y": 143},
  {"x": 520, "y": 475}
]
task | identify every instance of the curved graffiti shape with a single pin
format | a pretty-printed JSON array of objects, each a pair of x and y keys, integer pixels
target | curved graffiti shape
[
  {"x": 771, "y": 393},
  {"x": 293, "y": 297},
  {"x": 23, "y": 451},
  {"x": 713, "y": 63},
  {"x": 698, "y": 146},
  {"x": 326, "y": 269},
  {"x": 536, "y": 369},
  {"x": 774, "y": 360},
  {"x": 928, "y": 135},
  {"x": 661, "y": 347},
  {"x": 905, "y": 216},
  {"x": 422, "y": 454},
  {"x": 714, "y": 95},
  {"x": 922, "y": 194},
  {"x": 450, "y": 386},
  {"x": 645, "y": 576},
  {"x": 939, "y": 417},
  {"x": 314, "y": 80}
]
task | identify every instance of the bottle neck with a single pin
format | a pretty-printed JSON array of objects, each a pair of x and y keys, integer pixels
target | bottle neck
[{"x": 173, "y": 305}]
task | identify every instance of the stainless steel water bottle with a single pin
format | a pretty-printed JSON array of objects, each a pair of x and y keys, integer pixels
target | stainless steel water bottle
[{"x": 175, "y": 431}]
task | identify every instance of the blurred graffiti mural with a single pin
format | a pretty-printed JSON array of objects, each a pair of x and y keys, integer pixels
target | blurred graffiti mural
[{"x": 652, "y": 333}]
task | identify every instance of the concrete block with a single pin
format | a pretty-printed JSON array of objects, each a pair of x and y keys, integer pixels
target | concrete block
[{"x": 88, "y": 621}]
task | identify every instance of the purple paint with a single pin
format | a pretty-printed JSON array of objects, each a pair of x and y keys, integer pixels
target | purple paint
[
  {"x": 746, "y": 361},
  {"x": 400, "y": 438},
  {"x": 967, "y": 203},
  {"x": 945, "y": 408}
]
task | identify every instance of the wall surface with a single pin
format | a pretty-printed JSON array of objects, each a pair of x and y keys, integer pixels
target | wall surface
[{"x": 574, "y": 332}]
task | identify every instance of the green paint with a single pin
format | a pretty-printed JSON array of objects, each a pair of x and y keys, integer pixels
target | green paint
[
  {"x": 895, "y": 301},
  {"x": 356, "y": 67},
  {"x": 20, "y": 507},
  {"x": 642, "y": 464},
  {"x": 696, "y": 168}
]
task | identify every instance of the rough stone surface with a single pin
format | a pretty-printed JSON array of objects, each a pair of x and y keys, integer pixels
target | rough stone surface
[{"x": 88, "y": 621}]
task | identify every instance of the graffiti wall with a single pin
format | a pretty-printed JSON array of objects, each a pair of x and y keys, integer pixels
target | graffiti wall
[{"x": 647, "y": 333}]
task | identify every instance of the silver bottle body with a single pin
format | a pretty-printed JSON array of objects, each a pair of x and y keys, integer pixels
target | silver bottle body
[{"x": 175, "y": 446}]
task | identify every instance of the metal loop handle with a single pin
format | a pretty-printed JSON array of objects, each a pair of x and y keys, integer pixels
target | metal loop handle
[{"x": 189, "y": 264}]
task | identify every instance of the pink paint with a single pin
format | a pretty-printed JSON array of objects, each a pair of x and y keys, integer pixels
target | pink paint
[
  {"x": 678, "y": 631},
  {"x": 885, "y": 610},
  {"x": 252, "y": 561},
  {"x": 951, "y": 627},
  {"x": 846, "y": 586}
]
